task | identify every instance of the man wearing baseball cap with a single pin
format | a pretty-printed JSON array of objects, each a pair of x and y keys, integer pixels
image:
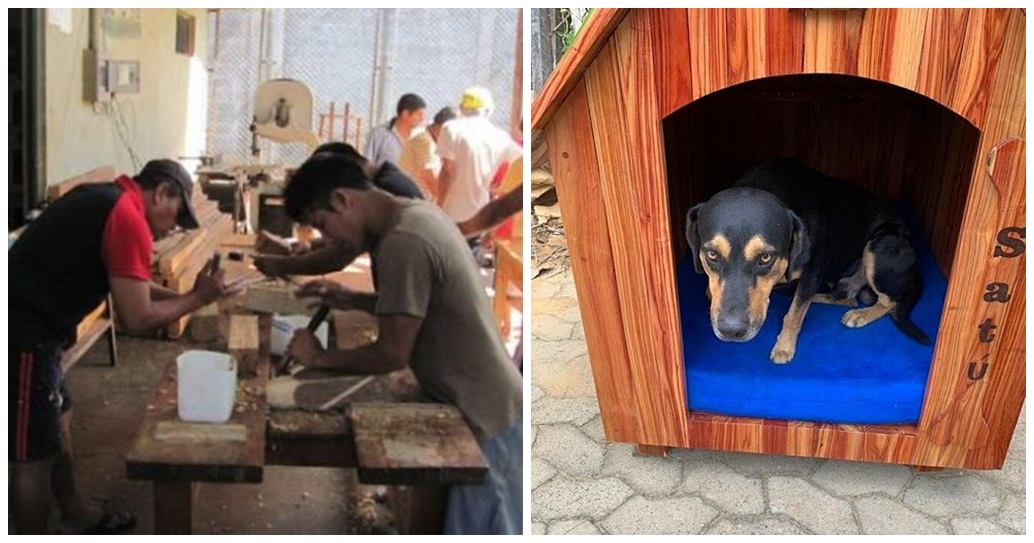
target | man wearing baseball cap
[
  {"x": 472, "y": 150},
  {"x": 95, "y": 240}
]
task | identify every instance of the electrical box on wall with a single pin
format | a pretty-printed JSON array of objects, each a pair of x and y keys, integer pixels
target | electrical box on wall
[
  {"x": 103, "y": 78},
  {"x": 123, "y": 76}
]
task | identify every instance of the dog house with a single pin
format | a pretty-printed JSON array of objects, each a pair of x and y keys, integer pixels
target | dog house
[{"x": 655, "y": 110}]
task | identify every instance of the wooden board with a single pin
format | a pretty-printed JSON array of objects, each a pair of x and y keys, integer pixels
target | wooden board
[
  {"x": 626, "y": 130},
  {"x": 103, "y": 174},
  {"x": 204, "y": 323},
  {"x": 243, "y": 343},
  {"x": 580, "y": 194},
  {"x": 353, "y": 328},
  {"x": 222, "y": 461},
  {"x": 276, "y": 298},
  {"x": 415, "y": 444}
]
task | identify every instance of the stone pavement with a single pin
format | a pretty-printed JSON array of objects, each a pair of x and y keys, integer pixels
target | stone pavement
[{"x": 583, "y": 485}]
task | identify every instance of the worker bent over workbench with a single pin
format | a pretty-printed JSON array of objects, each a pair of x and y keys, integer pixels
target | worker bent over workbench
[
  {"x": 94, "y": 240},
  {"x": 433, "y": 316}
]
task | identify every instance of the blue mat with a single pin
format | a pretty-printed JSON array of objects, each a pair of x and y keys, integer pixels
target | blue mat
[{"x": 869, "y": 375}]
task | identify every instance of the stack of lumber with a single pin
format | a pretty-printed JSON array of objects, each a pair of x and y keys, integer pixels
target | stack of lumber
[{"x": 178, "y": 258}]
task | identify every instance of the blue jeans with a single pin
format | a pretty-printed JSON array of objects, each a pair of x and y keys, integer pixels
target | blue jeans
[{"x": 497, "y": 505}]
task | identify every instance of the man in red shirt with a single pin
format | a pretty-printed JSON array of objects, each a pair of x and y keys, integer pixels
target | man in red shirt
[{"x": 95, "y": 240}]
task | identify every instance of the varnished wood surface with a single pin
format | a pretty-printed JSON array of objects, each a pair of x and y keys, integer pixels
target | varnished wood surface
[
  {"x": 968, "y": 61},
  {"x": 591, "y": 38},
  {"x": 626, "y": 131},
  {"x": 580, "y": 194}
]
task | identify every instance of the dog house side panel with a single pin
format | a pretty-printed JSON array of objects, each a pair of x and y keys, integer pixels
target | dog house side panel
[
  {"x": 969, "y": 413},
  {"x": 626, "y": 130},
  {"x": 981, "y": 53},
  {"x": 574, "y": 163}
]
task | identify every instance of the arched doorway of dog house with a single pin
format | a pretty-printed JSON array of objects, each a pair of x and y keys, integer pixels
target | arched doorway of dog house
[{"x": 899, "y": 145}]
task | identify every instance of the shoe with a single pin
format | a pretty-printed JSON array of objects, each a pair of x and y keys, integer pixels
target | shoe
[{"x": 112, "y": 523}]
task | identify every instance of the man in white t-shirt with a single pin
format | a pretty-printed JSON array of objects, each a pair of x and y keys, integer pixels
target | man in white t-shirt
[{"x": 472, "y": 150}]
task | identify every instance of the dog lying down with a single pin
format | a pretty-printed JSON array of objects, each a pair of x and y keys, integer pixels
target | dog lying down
[{"x": 784, "y": 222}]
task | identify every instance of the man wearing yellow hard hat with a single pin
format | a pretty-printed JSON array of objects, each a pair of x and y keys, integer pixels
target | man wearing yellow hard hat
[{"x": 472, "y": 150}]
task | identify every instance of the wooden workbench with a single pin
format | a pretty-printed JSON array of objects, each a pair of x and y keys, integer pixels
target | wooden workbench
[{"x": 398, "y": 441}]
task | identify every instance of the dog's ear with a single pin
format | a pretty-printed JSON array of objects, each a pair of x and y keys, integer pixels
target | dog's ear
[
  {"x": 800, "y": 244},
  {"x": 693, "y": 238}
]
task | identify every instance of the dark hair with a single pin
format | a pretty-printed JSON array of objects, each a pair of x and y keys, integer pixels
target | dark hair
[
  {"x": 310, "y": 187},
  {"x": 444, "y": 115},
  {"x": 409, "y": 102},
  {"x": 341, "y": 148}
]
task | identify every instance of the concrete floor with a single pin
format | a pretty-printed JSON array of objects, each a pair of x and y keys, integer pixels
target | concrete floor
[
  {"x": 108, "y": 407},
  {"x": 583, "y": 485}
]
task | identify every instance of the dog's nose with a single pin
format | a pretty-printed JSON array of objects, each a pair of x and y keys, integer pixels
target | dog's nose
[{"x": 732, "y": 327}]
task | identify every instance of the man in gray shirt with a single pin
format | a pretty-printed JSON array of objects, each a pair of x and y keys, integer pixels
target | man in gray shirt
[
  {"x": 433, "y": 316},
  {"x": 385, "y": 142}
]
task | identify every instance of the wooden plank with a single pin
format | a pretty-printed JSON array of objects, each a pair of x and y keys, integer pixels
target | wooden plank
[
  {"x": 186, "y": 461},
  {"x": 103, "y": 174},
  {"x": 745, "y": 29},
  {"x": 671, "y": 58},
  {"x": 891, "y": 45},
  {"x": 831, "y": 40},
  {"x": 354, "y": 328},
  {"x": 576, "y": 170},
  {"x": 708, "y": 51},
  {"x": 415, "y": 444},
  {"x": 194, "y": 432},
  {"x": 942, "y": 52},
  {"x": 590, "y": 40},
  {"x": 784, "y": 41},
  {"x": 174, "y": 507},
  {"x": 626, "y": 130},
  {"x": 276, "y": 298},
  {"x": 243, "y": 343},
  {"x": 981, "y": 49},
  {"x": 86, "y": 340},
  {"x": 204, "y": 323}
]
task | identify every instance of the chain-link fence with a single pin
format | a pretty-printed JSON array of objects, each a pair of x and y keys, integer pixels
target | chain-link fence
[{"x": 365, "y": 58}]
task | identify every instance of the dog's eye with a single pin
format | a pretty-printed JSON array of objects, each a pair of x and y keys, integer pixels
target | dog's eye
[
  {"x": 711, "y": 255},
  {"x": 765, "y": 258}
]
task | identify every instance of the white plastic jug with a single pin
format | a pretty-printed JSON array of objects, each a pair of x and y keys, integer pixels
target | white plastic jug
[
  {"x": 283, "y": 330},
  {"x": 206, "y": 386}
]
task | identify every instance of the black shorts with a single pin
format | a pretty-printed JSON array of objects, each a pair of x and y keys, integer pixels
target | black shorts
[{"x": 36, "y": 399}]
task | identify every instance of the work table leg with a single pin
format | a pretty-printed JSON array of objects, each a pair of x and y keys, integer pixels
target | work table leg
[{"x": 173, "y": 507}]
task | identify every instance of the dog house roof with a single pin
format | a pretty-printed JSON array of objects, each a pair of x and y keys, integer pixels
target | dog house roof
[{"x": 946, "y": 55}]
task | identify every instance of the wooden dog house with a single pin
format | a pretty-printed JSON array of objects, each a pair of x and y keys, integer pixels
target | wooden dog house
[{"x": 651, "y": 108}]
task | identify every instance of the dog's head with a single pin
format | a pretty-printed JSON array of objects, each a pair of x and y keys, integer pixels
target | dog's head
[{"x": 746, "y": 241}]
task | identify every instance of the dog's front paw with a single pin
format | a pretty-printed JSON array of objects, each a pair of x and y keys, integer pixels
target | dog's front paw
[
  {"x": 856, "y": 318},
  {"x": 781, "y": 354}
]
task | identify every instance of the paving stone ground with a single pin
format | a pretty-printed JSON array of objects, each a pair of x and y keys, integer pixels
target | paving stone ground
[{"x": 583, "y": 485}]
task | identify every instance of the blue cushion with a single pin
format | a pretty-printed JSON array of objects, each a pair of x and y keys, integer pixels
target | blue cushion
[{"x": 869, "y": 375}]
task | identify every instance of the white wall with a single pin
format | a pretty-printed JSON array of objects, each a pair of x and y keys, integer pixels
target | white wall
[{"x": 165, "y": 119}]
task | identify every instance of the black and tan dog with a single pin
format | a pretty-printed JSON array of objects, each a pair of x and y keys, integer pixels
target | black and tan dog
[{"x": 784, "y": 222}]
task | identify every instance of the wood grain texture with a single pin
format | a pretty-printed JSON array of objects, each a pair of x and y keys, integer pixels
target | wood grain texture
[
  {"x": 590, "y": 40},
  {"x": 626, "y": 129},
  {"x": 783, "y": 42},
  {"x": 831, "y": 40},
  {"x": 576, "y": 170},
  {"x": 671, "y": 58},
  {"x": 708, "y": 51},
  {"x": 418, "y": 443},
  {"x": 243, "y": 343},
  {"x": 981, "y": 50},
  {"x": 942, "y": 49},
  {"x": 890, "y": 45}
]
